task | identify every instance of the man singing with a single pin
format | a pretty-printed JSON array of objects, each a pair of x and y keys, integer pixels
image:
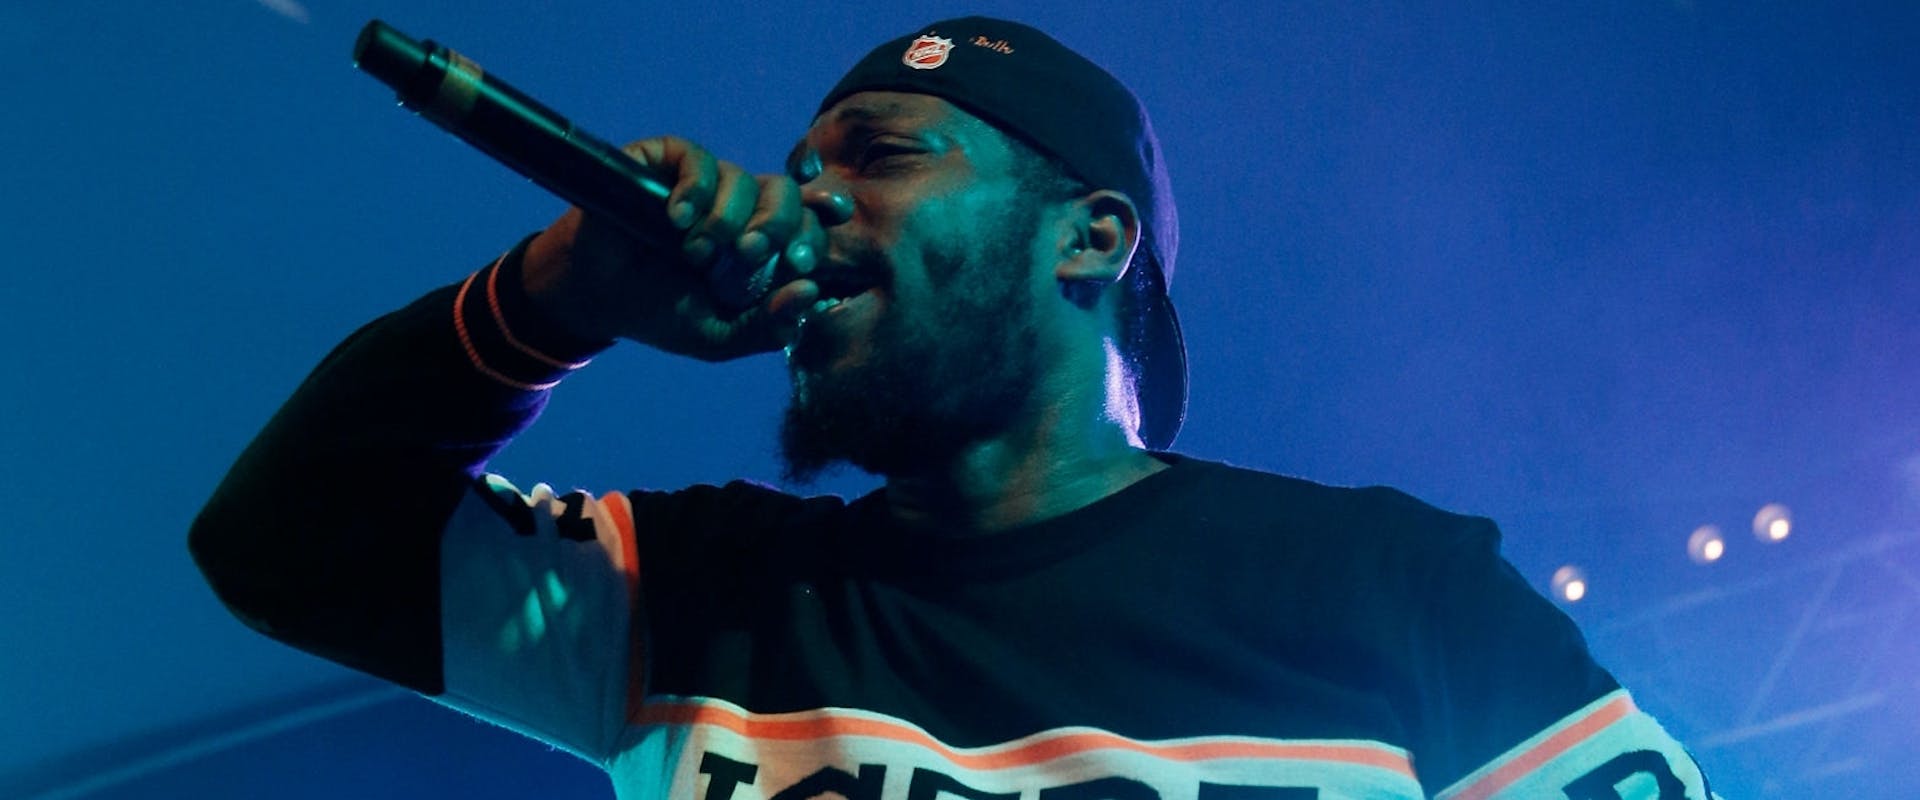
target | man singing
[{"x": 1040, "y": 603}]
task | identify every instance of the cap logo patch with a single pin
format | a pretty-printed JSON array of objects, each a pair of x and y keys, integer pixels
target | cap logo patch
[{"x": 927, "y": 52}]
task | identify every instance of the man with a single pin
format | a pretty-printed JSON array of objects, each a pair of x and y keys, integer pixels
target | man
[{"x": 1036, "y": 605}]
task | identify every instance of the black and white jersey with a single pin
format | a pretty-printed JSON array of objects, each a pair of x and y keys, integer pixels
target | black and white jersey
[{"x": 1209, "y": 633}]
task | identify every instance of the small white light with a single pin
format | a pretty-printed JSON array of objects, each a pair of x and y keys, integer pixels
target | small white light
[
  {"x": 291, "y": 9},
  {"x": 1773, "y": 523},
  {"x": 1706, "y": 545},
  {"x": 1569, "y": 584}
]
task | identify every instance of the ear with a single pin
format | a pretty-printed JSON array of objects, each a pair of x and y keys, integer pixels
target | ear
[{"x": 1103, "y": 228}]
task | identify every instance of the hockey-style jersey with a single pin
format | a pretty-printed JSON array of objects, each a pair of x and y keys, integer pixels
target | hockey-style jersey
[{"x": 1209, "y": 632}]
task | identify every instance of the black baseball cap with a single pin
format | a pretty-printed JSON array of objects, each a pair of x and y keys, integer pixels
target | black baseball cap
[{"x": 1030, "y": 86}]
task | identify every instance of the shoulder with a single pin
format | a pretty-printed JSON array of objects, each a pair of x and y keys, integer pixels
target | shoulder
[
  {"x": 736, "y": 504},
  {"x": 1312, "y": 510},
  {"x": 729, "y": 526},
  {"x": 1360, "y": 557}
]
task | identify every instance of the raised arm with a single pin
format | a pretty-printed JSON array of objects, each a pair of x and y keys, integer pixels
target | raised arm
[{"x": 327, "y": 533}]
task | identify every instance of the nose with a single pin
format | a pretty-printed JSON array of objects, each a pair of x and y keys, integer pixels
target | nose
[{"x": 830, "y": 204}]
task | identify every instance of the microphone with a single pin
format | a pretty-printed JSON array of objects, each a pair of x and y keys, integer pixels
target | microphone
[{"x": 453, "y": 92}]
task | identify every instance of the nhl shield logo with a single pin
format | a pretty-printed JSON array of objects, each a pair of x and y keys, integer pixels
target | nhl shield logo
[{"x": 927, "y": 52}]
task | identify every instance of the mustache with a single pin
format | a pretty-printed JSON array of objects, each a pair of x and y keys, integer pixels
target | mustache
[{"x": 854, "y": 261}]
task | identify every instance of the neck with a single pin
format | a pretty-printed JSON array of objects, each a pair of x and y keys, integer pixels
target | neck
[{"x": 1071, "y": 454}]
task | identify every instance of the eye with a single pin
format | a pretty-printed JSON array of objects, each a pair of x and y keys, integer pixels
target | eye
[{"x": 885, "y": 155}]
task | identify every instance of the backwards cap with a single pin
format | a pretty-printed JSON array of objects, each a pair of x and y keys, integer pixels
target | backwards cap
[{"x": 1029, "y": 86}]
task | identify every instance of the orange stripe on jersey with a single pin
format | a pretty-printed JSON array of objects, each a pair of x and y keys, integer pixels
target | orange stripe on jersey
[
  {"x": 1048, "y": 747},
  {"x": 620, "y": 512},
  {"x": 622, "y": 515},
  {"x": 1566, "y": 739}
]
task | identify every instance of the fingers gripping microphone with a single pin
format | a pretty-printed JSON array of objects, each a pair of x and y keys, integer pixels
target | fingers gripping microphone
[{"x": 455, "y": 94}]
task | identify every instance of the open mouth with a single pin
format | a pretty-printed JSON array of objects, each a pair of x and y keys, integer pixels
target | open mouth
[
  {"x": 846, "y": 294},
  {"x": 838, "y": 284}
]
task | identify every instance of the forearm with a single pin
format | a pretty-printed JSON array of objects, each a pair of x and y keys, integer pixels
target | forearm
[{"x": 325, "y": 533}]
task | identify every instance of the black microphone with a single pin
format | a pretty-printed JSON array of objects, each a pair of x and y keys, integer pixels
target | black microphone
[{"x": 454, "y": 93}]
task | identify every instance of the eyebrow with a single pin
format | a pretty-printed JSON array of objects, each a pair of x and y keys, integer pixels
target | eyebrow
[
  {"x": 866, "y": 112},
  {"x": 859, "y": 115}
]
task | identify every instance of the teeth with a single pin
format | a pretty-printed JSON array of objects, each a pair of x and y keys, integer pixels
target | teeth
[{"x": 825, "y": 303}]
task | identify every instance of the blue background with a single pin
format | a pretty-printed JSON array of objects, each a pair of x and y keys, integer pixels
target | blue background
[{"x": 1604, "y": 272}]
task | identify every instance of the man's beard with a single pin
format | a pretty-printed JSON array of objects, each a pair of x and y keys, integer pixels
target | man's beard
[{"x": 926, "y": 391}]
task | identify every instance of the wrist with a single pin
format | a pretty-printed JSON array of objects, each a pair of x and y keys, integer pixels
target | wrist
[
  {"x": 503, "y": 335},
  {"x": 536, "y": 305}
]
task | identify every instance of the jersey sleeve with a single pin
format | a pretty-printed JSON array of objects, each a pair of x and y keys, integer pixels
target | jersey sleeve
[
  {"x": 539, "y": 597},
  {"x": 552, "y": 605},
  {"x": 1513, "y": 705},
  {"x": 325, "y": 533}
]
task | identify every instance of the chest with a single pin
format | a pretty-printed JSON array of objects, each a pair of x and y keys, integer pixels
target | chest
[{"x": 1150, "y": 645}]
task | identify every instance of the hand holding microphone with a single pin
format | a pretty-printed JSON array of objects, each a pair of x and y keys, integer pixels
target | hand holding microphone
[
  {"x": 667, "y": 245},
  {"x": 584, "y": 269}
]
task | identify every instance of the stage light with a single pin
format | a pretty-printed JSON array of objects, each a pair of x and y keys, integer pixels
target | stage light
[
  {"x": 291, "y": 9},
  {"x": 1773, "y": 523},
  {"x": 1706, "y": 545},
  {"x": 1569, "y": 584}
]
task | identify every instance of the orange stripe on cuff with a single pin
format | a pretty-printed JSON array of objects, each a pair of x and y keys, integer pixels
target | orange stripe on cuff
[
  {"x": 473, "y": 354},
  {"x": 1552, "y": 747},
  {"x": 500, "y": 320},
  {"x": 825, "y": 725}
]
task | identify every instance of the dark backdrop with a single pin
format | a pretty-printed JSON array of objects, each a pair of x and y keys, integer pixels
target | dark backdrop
[{"x": 1605, "y": 272}]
